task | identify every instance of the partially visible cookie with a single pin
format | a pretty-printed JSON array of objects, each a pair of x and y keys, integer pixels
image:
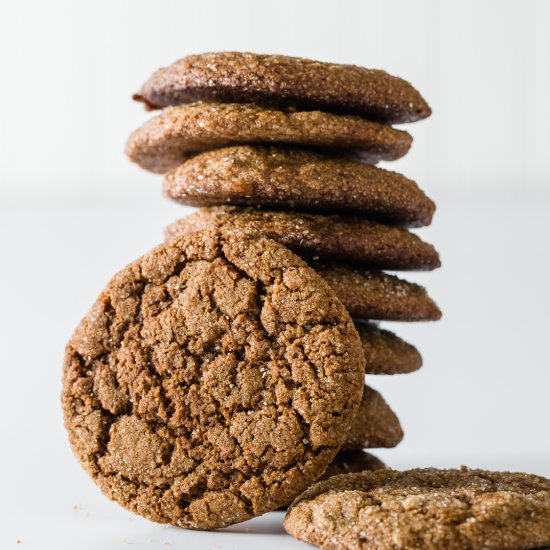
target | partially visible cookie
[
  {"x": 424, "y": 509},
  {"x": 375, "y": 425},
  {"x": 280, "y": 177},
  {"x": 166, "y": 140},
  {"x": 326, "y": 237},
  {"x": 377, "y": 295},
  {"x": 284, "y": 81},
  {"x": 386, "y": 353},
  {"x": 351, "y": 462},
  {"x": 213, "y": 380}
]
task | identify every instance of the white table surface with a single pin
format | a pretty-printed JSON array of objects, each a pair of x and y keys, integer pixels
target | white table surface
[{"x": 481, "y": 398}]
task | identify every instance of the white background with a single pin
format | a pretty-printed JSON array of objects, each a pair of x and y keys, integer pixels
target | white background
[{"x": 73, "y": 210}]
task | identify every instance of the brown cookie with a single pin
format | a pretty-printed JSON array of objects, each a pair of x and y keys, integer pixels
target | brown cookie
[
  {"x": 214, "y": 379},
  {"x": 386, "y": 353},
  {"x": 424, "y": 509},
  {"x": 375, "y": 425},
  {"x": 351, "y": 462},
  {"x": 284, "y": 82},
  {"x": 377, "y": 295},
  {"x": 342, "y": 238},
  {"x": 171, "y": 137},
  {"x": 279, "y": 177}
]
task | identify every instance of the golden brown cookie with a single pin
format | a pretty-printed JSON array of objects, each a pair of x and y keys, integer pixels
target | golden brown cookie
[
  {"x": 377, "y": 295},
  {"x": 386, "y": 353},
  {"x": 325, "y": 237},
  {"x": 351, "y": 462},
  {"x": 213, "y": 380},
  {"x": 284, "y": 82},
  {"x": 171, "y": 137},
  {"x": 375, "y": 425},
  {"x": 281, "y": 177},
  {"x": 424, "y": 509}
]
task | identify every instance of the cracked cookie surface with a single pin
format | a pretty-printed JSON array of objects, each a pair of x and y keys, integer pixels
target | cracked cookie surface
[
  {"x": 213, "y": 380},
  {"x": 171, "y": 137},
  {"x": 283, "y": 177},
  {"x": 424, "y": 509},
  {"x": 284, "y": 81}
]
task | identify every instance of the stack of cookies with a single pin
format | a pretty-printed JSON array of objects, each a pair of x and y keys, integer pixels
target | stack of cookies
[
  {"x": 285, "y": 148},
  {"x": 220, "y": 375}
]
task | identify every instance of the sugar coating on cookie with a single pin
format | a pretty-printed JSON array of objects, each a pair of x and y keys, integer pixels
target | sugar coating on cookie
[
  {"x": 369, "y": 294},
  {"x": 385, "y": 352},
  {"x": 282, "y": 177},
  {"x": 326, "y": 237},
  {"x": 166, "y": 140},
  {"x": 285, "y": 82},
  {"x": 424, "y": 509},
  {"x": 213, "y": 380},
  {"x": 375, "y": 425}
]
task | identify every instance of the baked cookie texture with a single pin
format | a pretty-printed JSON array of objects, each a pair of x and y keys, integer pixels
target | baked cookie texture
[
  {"x": 327, "y": 237},
  {"x": 213, "y": 380},
  {"x": 386, "y": 353},
  {"x": 351, "y": 462},
  {"x": 375, "y": 425},
  {"x": 424, "y": 509},
  {"x": 171, "y": 137},
  {"x": 284, "y": 81},
  {"x": 369, "y": 294},
  {"x": 298, "y": 179}
]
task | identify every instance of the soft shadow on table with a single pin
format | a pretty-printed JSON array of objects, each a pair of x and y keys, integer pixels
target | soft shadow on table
[{"x": 269, "y": 524}]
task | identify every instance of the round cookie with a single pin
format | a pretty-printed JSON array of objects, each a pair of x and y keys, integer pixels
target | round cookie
[
  {"x": 213, "y": 380},
  {"x": 424, "y": 509},
  {"x": 377, "y": 295},
  {"x": 351, "y": 462},
  {"x": 326, "y": 237},
  {"x": 284, "y": 82},
  {"x": 375, "y": 425},
  {"x": 171, "y": 137},
  {"x": 279, "y": 177},
  {"x": 386, "y": 353}
]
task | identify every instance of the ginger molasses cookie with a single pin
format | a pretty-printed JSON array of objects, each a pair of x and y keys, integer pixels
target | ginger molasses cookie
[
  {"x": 326, "y": 237},
  {"x": 281, "y": 177},
  {"x": 375, "y": 425},
  {"x": 377, "y": 295},
  {"x": 213, "y": 380},
  {"x": 351, "y": 462},
  {"x": 284, "y": 82},
  {"x": 171, "y": 137},
  {"x": 424, "y": 509},
  {"x": 386, "y": 353}
]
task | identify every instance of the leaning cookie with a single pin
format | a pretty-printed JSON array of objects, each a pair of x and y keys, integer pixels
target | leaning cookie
[
  {"x": 177, "y": 133},
  {"x": 386, "y": 353},
  {"x": 213, "y": 380},
  {"x": 424, "y": 509},
  {"x": 284, "y": 81},
  {"x": 375, "y": 425},
  {"x": 327, "y": 237},
  {"x": 282, "y": 177}
]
